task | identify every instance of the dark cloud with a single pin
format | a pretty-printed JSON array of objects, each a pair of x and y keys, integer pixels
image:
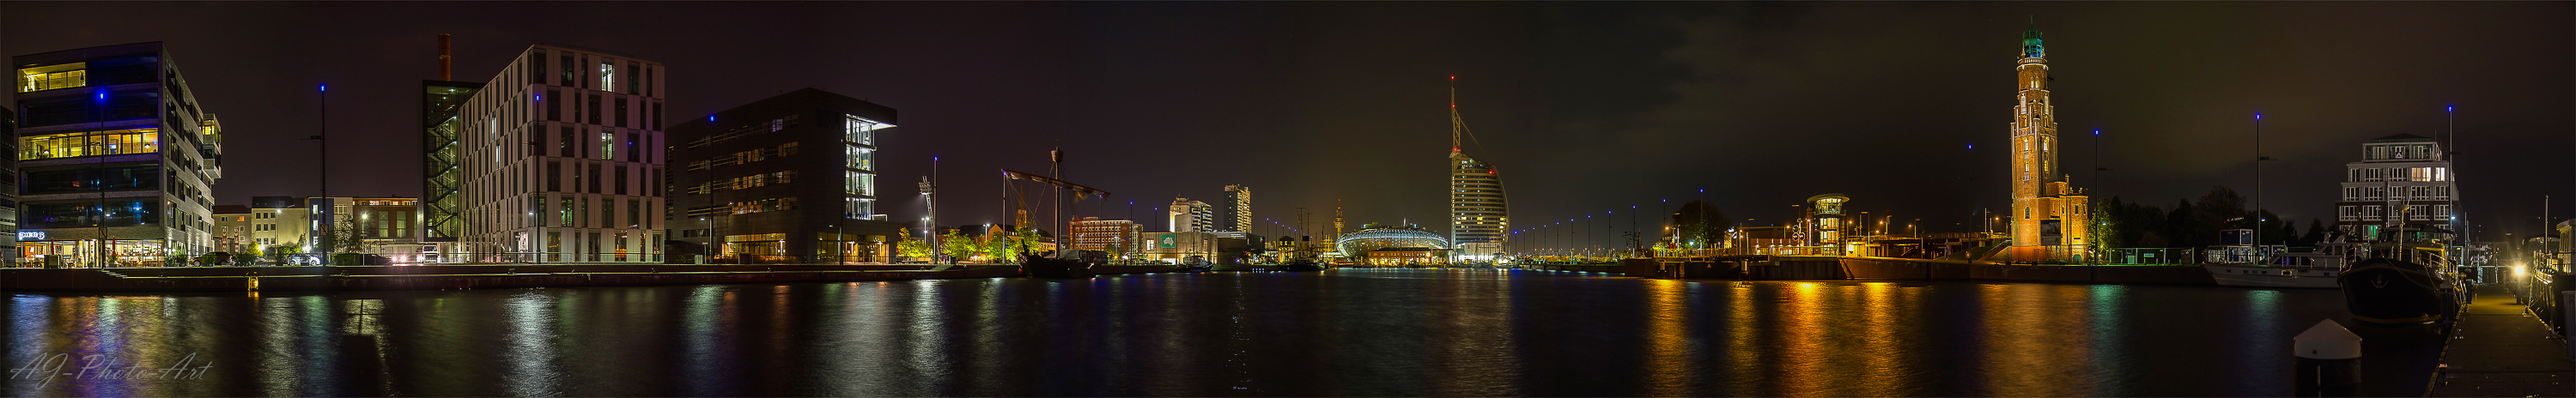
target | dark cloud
[{"x": 1583, "y": 106}]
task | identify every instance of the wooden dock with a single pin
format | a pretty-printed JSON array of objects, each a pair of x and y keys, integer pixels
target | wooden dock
[{"x": 2500, "y": 350}]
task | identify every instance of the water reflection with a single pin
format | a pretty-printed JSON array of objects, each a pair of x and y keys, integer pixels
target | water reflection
[
  {"x": 530, "y": 355},
  {"x": 1670, "y": 370},
  {"x": 1345, "y": 332}
]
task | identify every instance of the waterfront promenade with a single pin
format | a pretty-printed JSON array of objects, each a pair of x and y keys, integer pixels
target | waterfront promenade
[
  {"x": 432, "y": 277},
  {"x": 2499, "y": 350}
]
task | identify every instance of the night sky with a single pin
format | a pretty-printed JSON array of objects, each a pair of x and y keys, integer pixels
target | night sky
[{"x": 1584, "y": 107}]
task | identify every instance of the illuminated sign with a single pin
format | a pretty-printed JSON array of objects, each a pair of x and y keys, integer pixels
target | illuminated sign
[{"x": 31, "y": 235}]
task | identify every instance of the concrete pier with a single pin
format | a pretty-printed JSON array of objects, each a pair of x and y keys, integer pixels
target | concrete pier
[{"x": 2497, "y": 349}]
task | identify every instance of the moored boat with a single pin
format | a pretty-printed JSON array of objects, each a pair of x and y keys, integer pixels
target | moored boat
[
  {"x": 2402, "y": 283},
  {"x": 2320, "y": 269}
]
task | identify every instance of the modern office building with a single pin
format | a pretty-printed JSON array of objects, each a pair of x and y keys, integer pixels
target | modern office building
[
  {"x": 1478, "y": 211},
  {"x": 2401, "y": 179},
  {"x": 1234, "y": 211},
  {"x": 118, "y": 158},
  {"x": 791, "y": 178},
  {"x": 557, "y": 160},
  {"x": 2049, "y": 216},
  {"x": 232, "y": 228},
  {"x": 1114, "y": 236},
  {"x": 1823, "y": 223},
  {"x": 1191, "y": 216}
]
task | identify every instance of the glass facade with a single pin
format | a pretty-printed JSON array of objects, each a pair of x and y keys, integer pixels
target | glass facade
[
  {"x": 439, "y": 173},
  {"x": 42, "y": 78},
  {"x": 90, "y": 143}
]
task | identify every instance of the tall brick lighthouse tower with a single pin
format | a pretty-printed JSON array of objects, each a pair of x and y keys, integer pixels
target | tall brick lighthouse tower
[{"x": 2049, "y": 218}]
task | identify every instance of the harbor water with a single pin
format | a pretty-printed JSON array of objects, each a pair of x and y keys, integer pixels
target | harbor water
[{"x": 1345, "y": 332}]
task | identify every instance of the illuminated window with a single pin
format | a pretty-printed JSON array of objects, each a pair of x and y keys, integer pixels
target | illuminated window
[
  {"x": 607, "y": 76},
  {"x": 862, "y": 158},
  {"x": 42, "y": 78},
  {"x": 859, "y": 130},
  {"x": 859, "y": 184},
  {"x": 90, "y": 143}
]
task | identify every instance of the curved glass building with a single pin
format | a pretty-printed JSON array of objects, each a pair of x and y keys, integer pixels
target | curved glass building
[{"x": 1393, "y": 245}]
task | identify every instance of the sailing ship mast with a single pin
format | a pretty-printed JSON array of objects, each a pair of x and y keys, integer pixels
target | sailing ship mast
[{"x": 1056, "y": 188}]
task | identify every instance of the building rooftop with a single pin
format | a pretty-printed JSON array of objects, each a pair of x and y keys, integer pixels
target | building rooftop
[{"x": 2402, "y": 138}]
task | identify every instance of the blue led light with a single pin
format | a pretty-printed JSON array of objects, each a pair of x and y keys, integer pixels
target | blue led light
[
  {"x": 711, "y": 118},
  {"x": 326, "y": 87}
]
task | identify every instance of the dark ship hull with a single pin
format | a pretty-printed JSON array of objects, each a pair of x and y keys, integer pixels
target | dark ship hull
[
  {"x": 1050, "y": 267},
  {"x": 2391, "y": 291},
  {"x": 1301, "y": 266}
]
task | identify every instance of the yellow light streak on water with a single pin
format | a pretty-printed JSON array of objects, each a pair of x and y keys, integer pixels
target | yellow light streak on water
[{"x": 1669, "y": 363}]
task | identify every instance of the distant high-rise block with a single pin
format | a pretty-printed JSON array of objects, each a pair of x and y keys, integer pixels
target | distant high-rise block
[
  {"x": 558, "y": 160},
  {"x": 1234, "y": 212},
  {"x": 1191, "y": 216},
  {"x": 117, "y": 158}
]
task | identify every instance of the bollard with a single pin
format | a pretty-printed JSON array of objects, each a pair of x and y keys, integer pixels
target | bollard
[{"x": 2329, "y": 361}]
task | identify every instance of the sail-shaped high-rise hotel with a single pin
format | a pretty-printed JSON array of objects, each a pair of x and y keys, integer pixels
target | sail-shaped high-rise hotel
[{"x": 1477, "y": 211}]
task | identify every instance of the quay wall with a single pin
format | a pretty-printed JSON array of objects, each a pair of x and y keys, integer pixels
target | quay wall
[
  {"x": 234, "y": 279},
  {"x": 1881, "y": 268}
]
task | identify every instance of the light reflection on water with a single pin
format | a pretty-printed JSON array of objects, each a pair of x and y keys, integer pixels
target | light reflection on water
[{"x": 1344, "y": 332}]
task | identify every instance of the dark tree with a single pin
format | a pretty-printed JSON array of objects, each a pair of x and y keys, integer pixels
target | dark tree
[
  {"x": 2134, "y": 224},
  {"x": 2316, "y": 233},
  {"x": 1699, "y": 224},
  {"x": 2212, "y": 213},
  {"x": 2179, "y": 226}
]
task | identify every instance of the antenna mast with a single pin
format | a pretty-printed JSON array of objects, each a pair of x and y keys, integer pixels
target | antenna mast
[{"x": 1456, "y": 125}]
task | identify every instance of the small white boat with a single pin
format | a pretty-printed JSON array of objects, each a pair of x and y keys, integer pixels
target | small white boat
[
  {"x": 2312, "y": 270},
  {"x": 2244, "y": 264}
]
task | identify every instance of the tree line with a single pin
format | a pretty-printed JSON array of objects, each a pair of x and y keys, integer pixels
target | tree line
[{"x": 2119, "y": 223}]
